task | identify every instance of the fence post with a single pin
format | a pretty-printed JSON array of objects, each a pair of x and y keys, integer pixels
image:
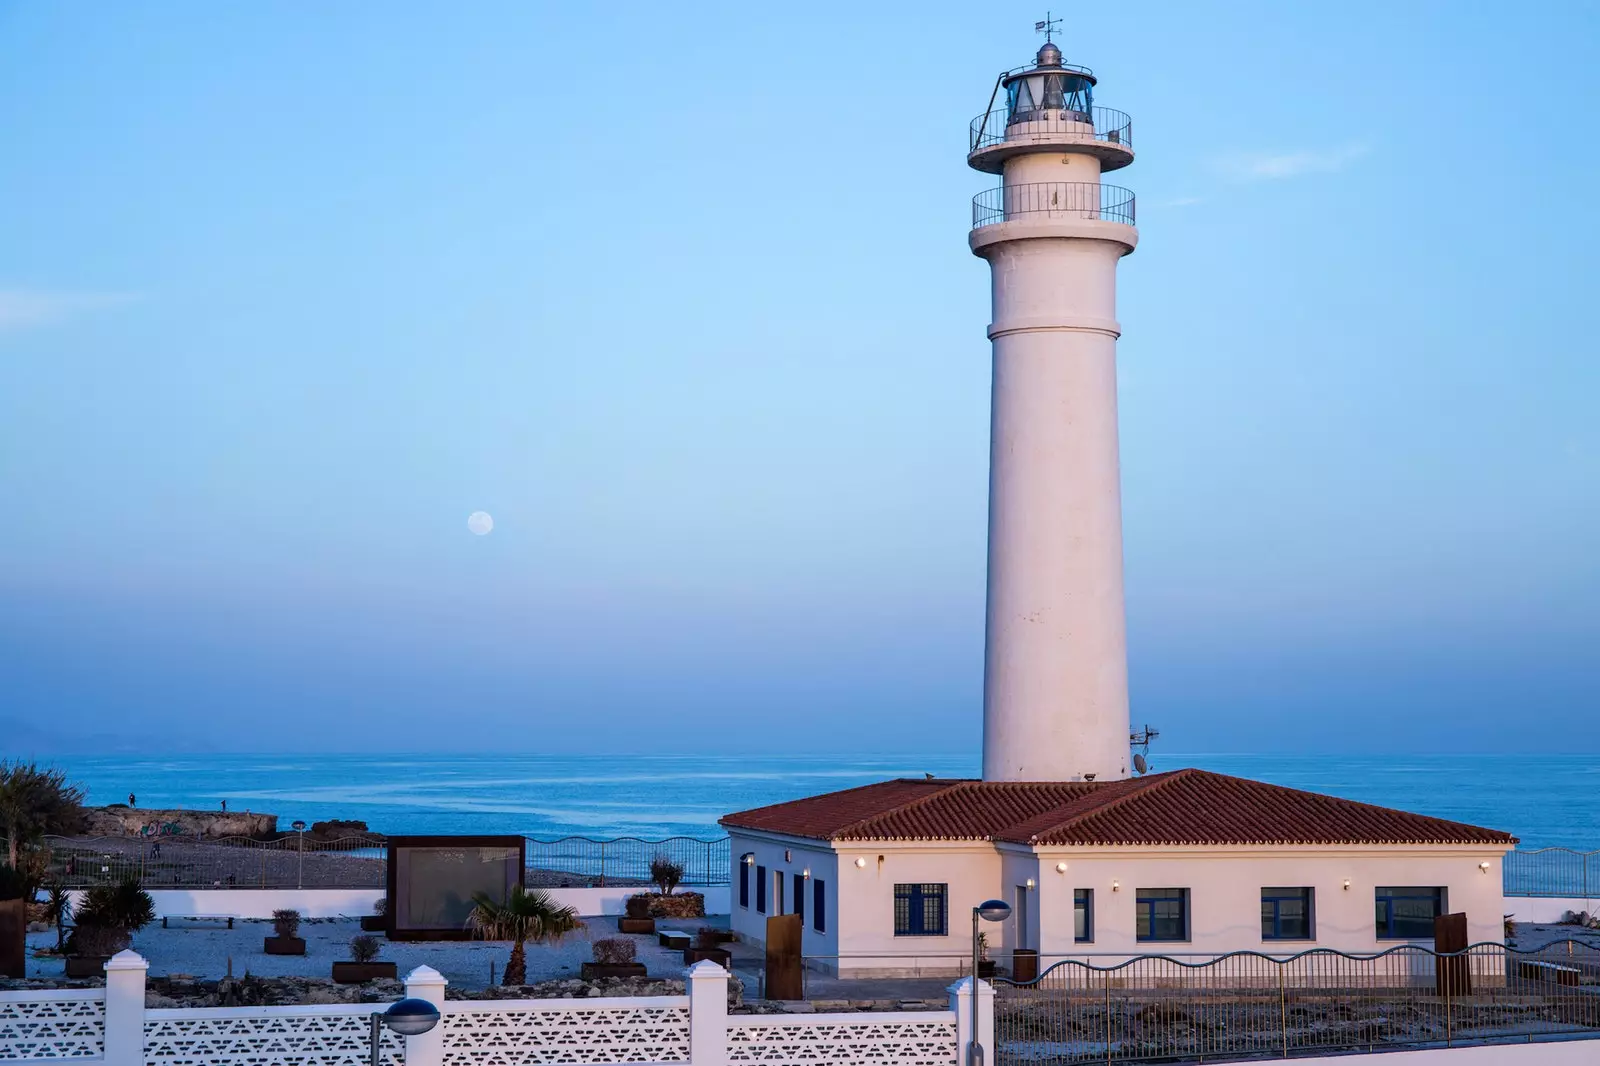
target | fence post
[
  {"x": 124, "y": 1036},
  {"x": 708, "y": 1014},
  {"x": 961, "y": 1002},
  {"x": 428, "y": 1049}
]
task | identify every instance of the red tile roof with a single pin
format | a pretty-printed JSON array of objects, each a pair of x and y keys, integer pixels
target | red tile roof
[{"x": 1180, "y": 807}]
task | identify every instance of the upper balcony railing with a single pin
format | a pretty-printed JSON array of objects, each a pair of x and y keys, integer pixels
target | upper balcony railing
[
  {"x": 1053, "y": 199},
  {"x": 1112, "y": 127}
]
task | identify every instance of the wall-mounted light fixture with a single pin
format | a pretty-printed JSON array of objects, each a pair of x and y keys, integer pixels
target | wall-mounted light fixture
[
  {"x": 1484, "y": 866},
  {"x": 1115, "y": 885},
  {"x": 787, "y": 855},
  {"x": 861, "y": 864},
  {"x": 1029, "y": 883},
  {"x": 1061, "y": 867},
  {"x": 806, "y": 873},
  {"x": 1347, "y": 884},
  {"x": 749, "y": 858}
]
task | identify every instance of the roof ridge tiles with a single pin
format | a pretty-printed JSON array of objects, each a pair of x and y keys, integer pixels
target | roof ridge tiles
[{"x": 860, "y": 824}]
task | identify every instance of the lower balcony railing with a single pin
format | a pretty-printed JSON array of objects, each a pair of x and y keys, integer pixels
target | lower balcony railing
[{"x": 1053, "y": 199}]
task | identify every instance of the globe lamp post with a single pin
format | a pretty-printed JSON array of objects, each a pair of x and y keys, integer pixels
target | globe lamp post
[{"x": 992, "y": 910}]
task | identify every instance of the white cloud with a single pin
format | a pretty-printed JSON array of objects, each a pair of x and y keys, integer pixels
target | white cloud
[
  {"x": 23, "y": 308},
  {"x": 1271, "y": 166}
]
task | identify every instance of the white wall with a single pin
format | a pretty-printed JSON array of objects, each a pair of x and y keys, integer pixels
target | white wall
[
  {"x": 866, "y": 895},
  {"x": 1224, "y": 894},
  {"x": 1548, "y": 908},
  {"x": 355, "y": 902},
  {"x": 784, "y": 856}
]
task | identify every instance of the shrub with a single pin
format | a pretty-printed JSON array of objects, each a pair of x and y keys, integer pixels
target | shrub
[
  {"x": 665, "y": 873},
  {"x": 708, "y": 938},
  {"x": 92, "y": 940},
  {"x": 364, "y": 948},
  {"x": 638, "y": 906},
  {"x": 381, "y": 907},
  {"x": 614, "y": 951},
  {"x": 124, "y": 905},
  {"x": 286, "y": 923},
  {"x": 13, "y": 885}
]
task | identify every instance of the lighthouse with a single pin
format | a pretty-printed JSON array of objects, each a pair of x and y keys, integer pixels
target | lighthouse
[{"x": 1055, "y": 699}]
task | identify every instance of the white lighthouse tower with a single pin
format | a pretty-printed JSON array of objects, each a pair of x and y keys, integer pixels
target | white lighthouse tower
[{"x": 1055, "y": 701}]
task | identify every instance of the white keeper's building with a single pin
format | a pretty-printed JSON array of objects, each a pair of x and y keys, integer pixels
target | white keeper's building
[{"x": 1092, "y": 859}]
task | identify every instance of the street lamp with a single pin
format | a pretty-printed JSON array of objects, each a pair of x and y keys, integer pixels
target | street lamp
[
  {"x": 408, "y": 1017},
  {"x": 990, "y": 910},
  {"x": 300, "y": 878}
]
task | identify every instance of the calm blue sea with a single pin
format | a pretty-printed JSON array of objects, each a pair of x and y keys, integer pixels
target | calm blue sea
[{"x": 1546, "y": 800}]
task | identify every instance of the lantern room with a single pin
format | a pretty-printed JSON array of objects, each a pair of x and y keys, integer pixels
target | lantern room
[{"x": 1049, "y": 87}]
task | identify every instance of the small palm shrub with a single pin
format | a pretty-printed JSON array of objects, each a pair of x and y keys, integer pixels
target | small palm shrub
[
  {"x": 364, "y": 948},
  {"x": 666, "y": 873},
  {"x": 381, "y": 907},
  {"x": 286, "y": 923},
  {"x": 614, "y": 951}
]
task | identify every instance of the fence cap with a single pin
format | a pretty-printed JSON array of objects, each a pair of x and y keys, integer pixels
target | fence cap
[
  {"x": 426, "y": 975},
  {"x": 127, "y": 959},
  {"x": 705, "y": 969}
]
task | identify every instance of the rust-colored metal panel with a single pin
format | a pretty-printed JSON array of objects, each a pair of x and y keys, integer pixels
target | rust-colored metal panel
[
  {"x": 13, "y": 937},
  {"x": 783, "y": 957},
  {"x": 1453, "y": 976}
]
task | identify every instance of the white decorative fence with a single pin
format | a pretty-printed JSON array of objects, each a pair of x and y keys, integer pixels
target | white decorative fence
[
  {"x": 53, "y": 1024},
  {"x": 112, "y": 1026}
]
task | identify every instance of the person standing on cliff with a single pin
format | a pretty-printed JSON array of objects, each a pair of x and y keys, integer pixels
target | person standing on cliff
[
  {"x": 224, "y": 806},
  {"x": 131, "y": 803}
]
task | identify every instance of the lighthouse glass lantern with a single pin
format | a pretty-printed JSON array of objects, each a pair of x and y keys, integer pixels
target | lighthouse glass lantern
[{"x": 1050, "y": 89}]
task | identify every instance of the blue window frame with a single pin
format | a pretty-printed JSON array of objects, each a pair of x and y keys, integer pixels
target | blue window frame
[
  {"x": 819, "y": 910},
  {"x": 761, "y": 890},
  {"x": 1083, "y": 915},
  {"x": 800, "y": 898},
  {"x": 1161, "y": 913},
  {"x": 1407, "y": 913},
  {"x": 919, "y": 910},
  {"x": 744, "y": 881},
  {"x": 1286, "y": 914}
]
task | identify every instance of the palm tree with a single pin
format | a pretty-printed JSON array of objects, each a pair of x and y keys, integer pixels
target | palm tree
[
  {"x": 34, "y": 801},
  {"x": 526, "y": 914}
]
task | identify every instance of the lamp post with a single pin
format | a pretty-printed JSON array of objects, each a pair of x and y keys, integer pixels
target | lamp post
[
  {"x": 300, "y": 878},
  {"x": 990, "y": 910},
  {"x": 408, "y": 1017}
]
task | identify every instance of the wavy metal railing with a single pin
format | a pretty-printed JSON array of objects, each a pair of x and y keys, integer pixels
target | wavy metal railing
[
  {"x": 357, "y": 861},
  {"x": 1251, "y": 1005},
  {"x": 1053, "y": 199},
  {"x": 1552, "y": 872},
  {"x": 1108, "y": 125}
]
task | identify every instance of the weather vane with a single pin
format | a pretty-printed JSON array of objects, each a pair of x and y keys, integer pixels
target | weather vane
[{"x": 1047, "y": 27}]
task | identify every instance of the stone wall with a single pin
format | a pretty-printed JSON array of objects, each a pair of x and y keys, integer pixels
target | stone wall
[{"x": 144, "y": 821}]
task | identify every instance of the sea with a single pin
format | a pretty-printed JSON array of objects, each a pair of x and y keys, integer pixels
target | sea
[{"x": 1546, "y": 800}]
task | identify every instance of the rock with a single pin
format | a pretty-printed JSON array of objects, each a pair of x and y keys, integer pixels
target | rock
[{"x": 120, "y": 821}]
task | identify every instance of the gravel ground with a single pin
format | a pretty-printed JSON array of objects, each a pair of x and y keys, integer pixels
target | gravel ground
[
  {"x": 205, "y": 950},
  {"x": 1531, "y": 936}
]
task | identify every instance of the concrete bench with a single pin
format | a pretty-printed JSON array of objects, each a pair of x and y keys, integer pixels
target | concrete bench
[
  {"x": 199, "y": 918},
  {"x": 1548, "y": 971},
  {"x": 676, "y": 939}
]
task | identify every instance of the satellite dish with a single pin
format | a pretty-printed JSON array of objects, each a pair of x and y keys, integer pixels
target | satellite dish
[{"x": 1139, "y": 764}]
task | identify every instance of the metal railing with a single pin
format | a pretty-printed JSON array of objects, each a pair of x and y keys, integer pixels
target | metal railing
[
  {"x": 1552, "y": 872},
  {"x": 1053, "y": 199},
  {"x": 1108, "y": 125},
  {"x": 1249, "y": 1005},
  {"x": 356, "y": 861}
]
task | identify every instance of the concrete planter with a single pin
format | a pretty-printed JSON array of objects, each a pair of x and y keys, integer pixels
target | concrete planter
[
  {"x": 986, "y": 968},
  {"x": 374, "y": 923},
  {"x": 355, "y": 973},
  {"x": 284, "y": 945},
  {"x": 636, "y": 925},
  {"x": 87, "y": 965},
  {"x": 721, "y": 956},
  {"x": 593, "y": 971},
  {"x": 13, "y": 938}
]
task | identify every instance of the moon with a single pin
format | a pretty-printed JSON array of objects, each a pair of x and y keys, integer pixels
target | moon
[{"x": 480, "y": 522}]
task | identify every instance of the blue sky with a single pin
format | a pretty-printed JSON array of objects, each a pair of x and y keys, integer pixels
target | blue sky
[{"x": 683, "y": 300}]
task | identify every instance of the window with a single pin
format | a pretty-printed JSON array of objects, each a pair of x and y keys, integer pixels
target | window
[
  {"x": 800, "y": 898},
  {"x": 1083, "y": 915},
  {"x": 744, "y": 880},
  {"x": 1162, "y": 913},
  {"x": 761, "y": 889},
  {"x": 1408, "y": 913},
  {"x": 819, "y": 911},
  {"x": 1286, "y": 914},
  {"x": 919, "y": 910}
]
